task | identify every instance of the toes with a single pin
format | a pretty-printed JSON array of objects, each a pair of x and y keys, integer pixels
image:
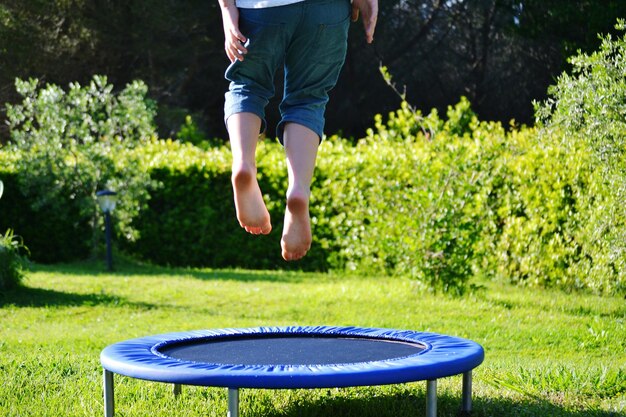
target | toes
[
  {"x": 254, "y": 230},
  {"x": 265, "y": 230},
  {"x": 293, "y": 256}
]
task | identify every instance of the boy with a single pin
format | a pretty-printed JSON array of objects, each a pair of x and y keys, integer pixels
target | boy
[{"x": 308, "y": 37}]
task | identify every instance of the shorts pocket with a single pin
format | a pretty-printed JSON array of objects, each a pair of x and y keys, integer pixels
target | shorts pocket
[
  {"x": 332, "y": 42},
  {"x": 263, "y": 36}
]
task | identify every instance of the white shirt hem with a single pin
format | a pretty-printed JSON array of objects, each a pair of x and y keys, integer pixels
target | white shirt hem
[{"x": 262, "y": 4}]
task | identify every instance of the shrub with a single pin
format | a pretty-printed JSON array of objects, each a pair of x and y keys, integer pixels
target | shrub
[
  {"x": 407, "y": 199},
  {"x": 71, "y": 144},
  {"x": 437, "y": 200},
  {"x": 589, "y": 105},
  {"x": 537, "y": 206},
  {"x": 11, "y": 260},
  {"x": 587, "y": 110},
  {"x": 445, "y": 200}
]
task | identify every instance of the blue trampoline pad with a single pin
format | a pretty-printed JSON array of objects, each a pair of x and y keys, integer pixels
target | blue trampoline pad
[{"x": 293, "y": 357}]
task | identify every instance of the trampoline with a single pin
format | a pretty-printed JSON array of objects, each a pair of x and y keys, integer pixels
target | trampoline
[{"x": 293, "y": 357}]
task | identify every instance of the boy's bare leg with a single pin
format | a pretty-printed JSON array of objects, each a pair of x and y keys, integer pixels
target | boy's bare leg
[
  {"x": 301, "y": 145},
  {"x": 243, "y": 129}
]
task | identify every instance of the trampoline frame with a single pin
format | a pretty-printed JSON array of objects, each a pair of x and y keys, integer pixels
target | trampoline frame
[
  {"x": 234, "y": 389},
  {"x": 233, "y": 396}
]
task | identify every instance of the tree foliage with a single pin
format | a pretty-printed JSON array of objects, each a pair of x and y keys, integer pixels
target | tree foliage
[
  {"x": 176, "y": 47},
  {"x": 501, "y": 54},
  {"x": 569, "y": 26}
]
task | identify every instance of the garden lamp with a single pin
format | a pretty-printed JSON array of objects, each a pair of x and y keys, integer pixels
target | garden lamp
[
  {"x": 107, "y": 200},
  {"x": 1, "y": 188}
]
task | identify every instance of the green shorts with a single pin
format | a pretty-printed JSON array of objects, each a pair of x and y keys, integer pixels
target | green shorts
[{"x": 310, "y": 40}]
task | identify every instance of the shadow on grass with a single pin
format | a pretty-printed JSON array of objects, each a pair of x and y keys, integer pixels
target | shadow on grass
[
  {"x": 38, "y": 297},
  {"x": 403, "y": 404},
  {"x": 247, "y": 276},
  {"x": 130, "y": 268}
]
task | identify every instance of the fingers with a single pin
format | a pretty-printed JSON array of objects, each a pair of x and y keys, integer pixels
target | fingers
[
  {"x": 234, "y": 46},
  {"x": 233, "y": 52},
  {"x": 355, "y": 13},
  {"x": 369, "y": 21},
  {"x": 369, "y": 13},
  {"x": 239, "y": 36},
  {"x": 370, "y": 27},
  {"x": 234, "y": 39}
]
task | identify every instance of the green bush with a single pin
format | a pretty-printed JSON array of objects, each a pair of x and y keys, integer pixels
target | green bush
[
  {"x": 587, "y": 111},
  {"x": 439, "y": 200},
  {"x": 408, "y": 199},
  {"x": 70, "y": 144},
  {"x": 538, "y": 205},
  {"x": 445, "y": 200},
  {"x": 11, "y": 260}
]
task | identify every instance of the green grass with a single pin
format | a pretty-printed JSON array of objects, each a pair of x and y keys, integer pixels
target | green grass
[{"x": 547, "y": 353}]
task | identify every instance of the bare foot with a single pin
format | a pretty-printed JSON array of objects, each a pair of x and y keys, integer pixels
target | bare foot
[
  {"x": 251, "y": 211},
  {"x": 296, "y": 240}
]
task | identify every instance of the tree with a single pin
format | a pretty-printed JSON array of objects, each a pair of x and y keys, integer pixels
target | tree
[
  {"x": 502, "y": 54},
  {"x": 568, "y": 25},
  {"x": 175, "y": 47}
]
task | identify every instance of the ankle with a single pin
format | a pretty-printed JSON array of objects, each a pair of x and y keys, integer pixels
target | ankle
[
  {"x": 243, "y": 172},
  {"x": 298, "y": 198}
]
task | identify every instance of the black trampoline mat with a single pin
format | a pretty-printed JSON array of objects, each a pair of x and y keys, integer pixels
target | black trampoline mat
[{"x": 289, "y": 350}]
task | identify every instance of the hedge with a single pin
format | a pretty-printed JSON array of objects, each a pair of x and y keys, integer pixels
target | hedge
[
  {"x": 190, "y": 219},
  {"x": 442, "y": 205},
  {"x": 51, "y": 236}
]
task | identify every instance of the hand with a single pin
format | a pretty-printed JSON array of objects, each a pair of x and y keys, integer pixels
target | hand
[
  {"x": 369, "y": 13},
  {"x": 234, "y": 39}
]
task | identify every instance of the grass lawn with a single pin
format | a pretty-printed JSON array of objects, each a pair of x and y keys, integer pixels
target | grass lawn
[{"x": 547, "y": 353}]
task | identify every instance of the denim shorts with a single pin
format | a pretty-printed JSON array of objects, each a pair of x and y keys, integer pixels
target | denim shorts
[{"x": 309, "y": 39}]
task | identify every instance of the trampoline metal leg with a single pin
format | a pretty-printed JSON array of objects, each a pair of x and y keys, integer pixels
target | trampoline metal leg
[
  {"x": 467, "y": 392},
  {"x": 177, "y": 390},
  {"x": 431, "y": 398},
  {"x": 233, "y": 402},
  {"x": 109, "y": 403}
]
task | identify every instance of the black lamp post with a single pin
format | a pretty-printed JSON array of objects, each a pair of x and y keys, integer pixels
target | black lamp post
[{"x": 107, "y": 200}]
